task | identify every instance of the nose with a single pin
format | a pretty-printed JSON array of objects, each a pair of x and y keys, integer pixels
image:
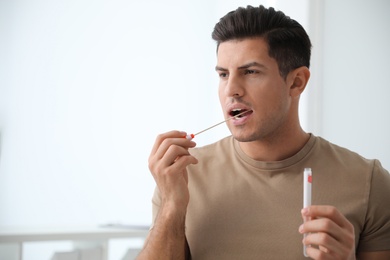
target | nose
[{"x": 234, "y": 87}]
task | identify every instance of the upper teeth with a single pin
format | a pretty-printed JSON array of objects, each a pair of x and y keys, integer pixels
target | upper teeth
[{"x": 237, "y": 112}]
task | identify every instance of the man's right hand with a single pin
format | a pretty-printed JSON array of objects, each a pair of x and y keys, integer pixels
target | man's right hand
[{"x": 167, "y": 163}]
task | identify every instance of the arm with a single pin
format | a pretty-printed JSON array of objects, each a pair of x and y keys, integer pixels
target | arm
[
  {"x": 167, "y": 163},
  {"x": 166, "y": 239}
]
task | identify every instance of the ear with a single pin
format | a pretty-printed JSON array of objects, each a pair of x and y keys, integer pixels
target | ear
[{"x": 297, "y": 80}]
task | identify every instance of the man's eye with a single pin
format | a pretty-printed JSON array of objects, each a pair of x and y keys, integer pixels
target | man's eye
[
  {"x": 222, "y": 75},
  {"x": 250, "y": 72}
]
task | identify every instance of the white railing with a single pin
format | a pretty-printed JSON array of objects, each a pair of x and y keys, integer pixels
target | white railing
[{"x": 88, "y": 242}]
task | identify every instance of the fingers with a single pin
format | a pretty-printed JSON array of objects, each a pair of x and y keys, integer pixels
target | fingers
[
  {"x": 171, "y": 148},
  {"x": 319, "y": 253},
  {"x": 325, "y": 245},
  {"x": 330, "y": 233},
  {"x": 167, "y": 163},
  {"x": 328, "y": 248},
  {"x": 163, "y": 141},
  {"x": 323, "y": 225},
  {"x": 329, "y": 212},
  {"x": 160, "y": 138}
]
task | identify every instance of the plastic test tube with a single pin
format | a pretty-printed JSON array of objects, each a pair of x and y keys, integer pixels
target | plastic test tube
[{"x": 307, "y": 181}]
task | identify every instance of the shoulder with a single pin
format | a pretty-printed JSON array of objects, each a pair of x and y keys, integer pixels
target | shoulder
[
  {"x": 331, "y": 148},
  {"x": 339, "y": 167},
  {"x": 361, "y": 175},
  {"x": 341, "y": 156}
]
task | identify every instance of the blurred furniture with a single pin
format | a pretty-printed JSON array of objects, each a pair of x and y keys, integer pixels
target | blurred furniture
[{"x": 87, "y": 241}]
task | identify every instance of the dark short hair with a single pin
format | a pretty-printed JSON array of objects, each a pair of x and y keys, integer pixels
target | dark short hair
[{"x": 288, "y": 42}]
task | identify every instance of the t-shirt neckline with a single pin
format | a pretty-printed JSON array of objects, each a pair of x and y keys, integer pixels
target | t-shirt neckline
[{"x": 272, "y": 165}]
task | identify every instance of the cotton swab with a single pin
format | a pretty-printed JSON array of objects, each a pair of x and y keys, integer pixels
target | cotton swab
[{"x": 192, "y": 136}]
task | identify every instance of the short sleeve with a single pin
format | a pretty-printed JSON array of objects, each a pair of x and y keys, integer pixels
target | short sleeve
[{"x": 376, "y": 232}]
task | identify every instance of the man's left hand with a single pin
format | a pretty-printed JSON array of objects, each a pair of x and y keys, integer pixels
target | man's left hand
[{"x": 329, "y": 234}]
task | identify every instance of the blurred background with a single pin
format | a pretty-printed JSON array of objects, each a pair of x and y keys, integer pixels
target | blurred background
[{"x": 85, "y": 87}]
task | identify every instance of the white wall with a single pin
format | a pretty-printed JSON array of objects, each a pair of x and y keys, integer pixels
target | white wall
[
  {"x": 85, "y": 86},
  {"x": 356, "y": 89}
]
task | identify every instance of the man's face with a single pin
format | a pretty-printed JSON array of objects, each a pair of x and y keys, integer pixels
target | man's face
[{"x": 250, "y": 80}]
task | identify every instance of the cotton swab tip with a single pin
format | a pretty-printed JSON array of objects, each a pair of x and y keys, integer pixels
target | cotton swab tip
[{"x": 190, "y": 136}]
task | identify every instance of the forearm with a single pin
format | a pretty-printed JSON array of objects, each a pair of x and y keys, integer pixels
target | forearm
[
  {"x": 167, "y": 163},
  {"x": 166, "y": 239}
]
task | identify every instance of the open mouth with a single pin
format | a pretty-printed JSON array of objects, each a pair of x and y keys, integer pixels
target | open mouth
[{"x": 238, "y": 112}]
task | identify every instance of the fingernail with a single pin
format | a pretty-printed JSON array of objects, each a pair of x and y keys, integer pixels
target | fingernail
[
  {"x": 301, "y": 228},
  {"x": 305, "y": 211}
]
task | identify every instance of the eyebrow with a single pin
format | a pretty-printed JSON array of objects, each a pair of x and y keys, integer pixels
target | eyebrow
[{"x": 245, "y": 66}]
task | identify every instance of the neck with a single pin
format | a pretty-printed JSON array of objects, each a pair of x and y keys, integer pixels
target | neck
[{"x": 278, "y": 147}]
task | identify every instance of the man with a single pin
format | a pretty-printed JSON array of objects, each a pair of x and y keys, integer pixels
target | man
[{"x": 241, "y": 197}]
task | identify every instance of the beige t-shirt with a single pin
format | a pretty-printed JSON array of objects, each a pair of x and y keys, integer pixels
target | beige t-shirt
[{"x": 245, "y": 209}]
